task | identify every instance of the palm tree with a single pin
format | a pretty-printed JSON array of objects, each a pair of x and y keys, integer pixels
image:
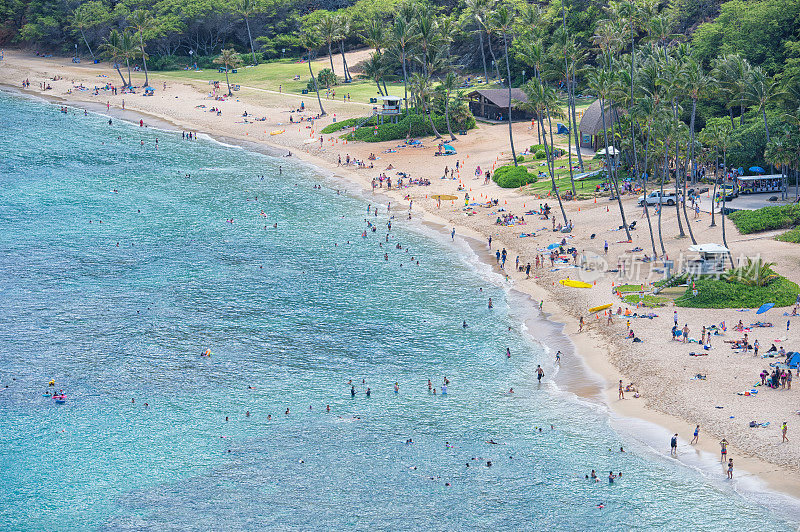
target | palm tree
[
  {"x": 142, "y": 22},
  {"x": 531, "y": 52},
  {"x": 476, "y": 8},
  {"x": 82, "y": 21},
  {"x": 714, "y": 135},
  {"x": 402, "y": 36},
  {"x": 308, "y": 40},
  {"x": 724, "y": 82},
  {"x": 759, "y": 91},
  {"x": 128, "y": 50},
  {"x": 328, "y": 29},
  {"x": 778, "y": 153},
  {"x": 726, "y": 143},
  {"x": 230, "y": 59},
  {"x": 542, "y": 101},
  {"x": 247, "y": 8},
  {"x": 601, "y": 81},
  {"x": 374, "y": 68},
  {"x": 448, "y": 86},
  {"x": 427, "y": 35},
  {"x": 503, "y": 22},
  {"x": 422, "y": 89},
  {"x": 485, "y": 20},
  {"x": 344, "y": 25},
  {"x": 112, "y": 48},
  {"x": 374, "y": 34}
]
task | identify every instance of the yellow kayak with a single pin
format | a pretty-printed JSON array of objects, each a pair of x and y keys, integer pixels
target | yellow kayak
[
  {"x": 276, "y": 132},
  {"x": 575, "y": 284},
  {"x": 601, "y": 307}
]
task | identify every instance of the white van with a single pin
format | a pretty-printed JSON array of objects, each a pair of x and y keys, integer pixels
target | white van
[{"x": 654, "y": 198}]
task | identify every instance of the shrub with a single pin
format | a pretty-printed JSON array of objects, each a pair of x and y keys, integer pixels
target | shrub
[
  {"x": 790, "y": 236},
  {"x": 719, "y": 293},
  {"x": 417, "y": 125},
  {"x": 541, "y": 153},
  {"x": 766, "y": 218},
  {"x": 511, "y": 176},
  {"x": 520, "y": 158},
  {"x": 168, "y": 62}
]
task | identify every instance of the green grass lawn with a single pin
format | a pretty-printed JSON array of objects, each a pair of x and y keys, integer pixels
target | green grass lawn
[
  {"x": 271, "y": 76},
  {"x": 543, "y": 185}
]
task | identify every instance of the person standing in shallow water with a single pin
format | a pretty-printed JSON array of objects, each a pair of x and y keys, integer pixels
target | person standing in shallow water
[{"x": 539, "y": 373}]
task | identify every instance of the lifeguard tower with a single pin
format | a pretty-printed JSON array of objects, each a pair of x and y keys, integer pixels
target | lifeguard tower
[
  {"x": 390, "y": 107},
  {"x": 711, "y": 259}
]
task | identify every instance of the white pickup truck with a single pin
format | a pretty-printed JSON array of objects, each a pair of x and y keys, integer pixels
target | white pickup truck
[{"x": 655, "y": 197}]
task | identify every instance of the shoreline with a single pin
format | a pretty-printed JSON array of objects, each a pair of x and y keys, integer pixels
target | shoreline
[{"x": 592, "y": 349}]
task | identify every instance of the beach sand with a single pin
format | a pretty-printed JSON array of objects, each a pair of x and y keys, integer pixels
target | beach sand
[{"x": 662, "y": 370}]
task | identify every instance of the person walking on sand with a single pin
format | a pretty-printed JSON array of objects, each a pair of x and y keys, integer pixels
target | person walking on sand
[
  {"x": 723, "y": 449},
  {"x": 580, "y": 325},
  {"x": 696, "y": 435},
  {"x": 674, "y": 446},
  {"x": 784, "y": 428},
  {"x": 686, "y": 333},
  {"x": 621, "y": 390}
]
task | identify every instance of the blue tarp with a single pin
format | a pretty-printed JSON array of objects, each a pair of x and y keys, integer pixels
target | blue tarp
[
  {"x": 561, "y": 129},
  {"x": 793, "y": 360},
  {"x": 765, "y": 307}
]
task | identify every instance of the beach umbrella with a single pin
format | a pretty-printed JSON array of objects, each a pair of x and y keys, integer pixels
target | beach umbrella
[
  {"x": 765, "y": 307},
  {"x": 756, "y": 169}
]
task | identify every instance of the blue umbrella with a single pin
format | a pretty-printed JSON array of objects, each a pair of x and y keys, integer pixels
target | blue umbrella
[
  {"x": 756, "y": 169},
  {"x": 765, "y": 307}
]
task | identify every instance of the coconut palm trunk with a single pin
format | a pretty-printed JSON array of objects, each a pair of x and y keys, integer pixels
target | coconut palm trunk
[
  {"x": 510, "y": 129},
  {"x": 664, "y": 175},
  {"x": 227, "y": 81},
  {"x": 87, "y": 45},
  {"x": 144, "y": 60},
  {"x": 347, "y": 76},
  {"x": 483, "y": 56},
  {"x": 316, "y": 87},
  {"x": 494, "y": 59},
  {"x": 250, "y": 37},
  {"x": 644, "y": 191},
  {"x": 716, "y": 179},
  {"x": 683, "y": 200},
  {"x": 614, "y": 181},
  {"x": 124, "y": 83},
  {"x": 575, "y": 120},
  {"x": 128, "y": 63},
  {"x": 447, "y": 115},
  {"x": 330, "y": 57},
  {"x": 551, "y": 163}
]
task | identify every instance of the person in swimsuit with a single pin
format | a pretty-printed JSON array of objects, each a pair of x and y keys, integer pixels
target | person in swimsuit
[
  {"x": 539, "y": 373},
  {"x": 723, "y": 449},
  {"x": 696, "y": 435},
  {"x": 730, "y": 468},
  {"x": 674, "y": 445}
]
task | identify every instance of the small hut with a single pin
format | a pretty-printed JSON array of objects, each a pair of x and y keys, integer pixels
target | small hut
[
  {"x": 711, "y": 260},
  {"x": 591, "y": 126},
  {"x": 493, "y": 104}
]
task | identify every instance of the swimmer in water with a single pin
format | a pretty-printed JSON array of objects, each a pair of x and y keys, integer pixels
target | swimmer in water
[
  {"x": 352, "y": 391},
  {"x": 490, "y": 303},
  {"x": 508, "y": 352},
  {"x": 464, "y": 324},
  {"x": 396, "y": 388}
]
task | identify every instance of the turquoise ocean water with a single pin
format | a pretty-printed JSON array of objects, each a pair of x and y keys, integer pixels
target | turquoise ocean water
[{"x": 121, "y": 310}]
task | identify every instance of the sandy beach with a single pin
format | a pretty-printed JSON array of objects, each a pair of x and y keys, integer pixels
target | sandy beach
[{"x": 661, "y": 370}]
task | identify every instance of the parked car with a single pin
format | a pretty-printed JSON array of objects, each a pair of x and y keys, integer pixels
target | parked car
[
  {"x": 655, "y": 197},
  {"x": 729, "y": 191}
]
